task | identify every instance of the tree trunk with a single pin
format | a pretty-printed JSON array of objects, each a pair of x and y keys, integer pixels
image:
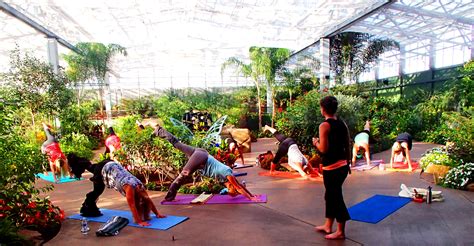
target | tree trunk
[
  {"x": 273, "y": 107},
  {"x": 291, "y": 96},
  {"x": 101, "y": 103},
  {"x": 259, "y": 101},
  {"x": 32, "y": 117}
]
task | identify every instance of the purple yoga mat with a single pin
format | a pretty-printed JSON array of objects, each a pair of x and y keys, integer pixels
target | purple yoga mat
[{"x": 216, "y": 199}]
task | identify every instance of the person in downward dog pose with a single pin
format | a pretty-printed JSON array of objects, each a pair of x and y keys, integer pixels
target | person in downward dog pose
[
  {"x": 112, "y": 175},
  {"x": 296, "y": 159},
  {"x": 58, "y": 162},
  {"x": 402, "y": 145},
  {"x": 199, "y": 159},
  {"x": 361, "y": 142}
]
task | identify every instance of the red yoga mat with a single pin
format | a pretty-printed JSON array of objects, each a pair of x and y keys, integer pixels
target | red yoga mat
[
  {"x": 216, "y": 199},
  {"x": 398, "y": 166},
  {"x": 287, "y": 175}
]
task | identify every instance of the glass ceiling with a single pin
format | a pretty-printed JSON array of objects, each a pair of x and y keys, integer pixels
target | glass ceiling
[
  {"x": 183, "y": 43},
  {"x": 175, "y": 43}
]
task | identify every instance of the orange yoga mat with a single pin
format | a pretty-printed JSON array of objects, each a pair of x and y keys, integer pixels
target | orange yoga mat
[
  {"x": 400, "y": 166},
  {"x": 287, "y": 175}
]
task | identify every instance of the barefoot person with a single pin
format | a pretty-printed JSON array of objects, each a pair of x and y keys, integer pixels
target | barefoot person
[
  {"x": 199, "y": 159},
  {"x": 296, "y": 159},
  {"x": 361, "y": 142},
  {"x": 402, "y": 145},
  {"x": 112, "y": 175},
  {"x": 57, "y": 160},
  {"x": 333, "y": 144}
]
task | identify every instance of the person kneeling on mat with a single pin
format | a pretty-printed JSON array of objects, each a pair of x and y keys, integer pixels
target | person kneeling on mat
[
  {"x": 199, "y": 159},
  {"x": 296, "y": 159},
  {"x": 112, "y": 175}
]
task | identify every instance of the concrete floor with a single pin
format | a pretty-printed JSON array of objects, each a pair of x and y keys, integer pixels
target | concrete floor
[{"x": 294, "y": 207}]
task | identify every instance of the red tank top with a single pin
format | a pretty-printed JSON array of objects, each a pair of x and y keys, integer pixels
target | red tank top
[
  {"x": 113, "y": 140},
  {"x": 53, "y": 151}
]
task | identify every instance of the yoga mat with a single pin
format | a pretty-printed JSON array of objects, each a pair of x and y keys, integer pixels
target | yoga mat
[
  {"x": 239, "y": 166},
  {"x": 286, "y": 175},
  {"x": 237, "y": 174},
  {"x": 401, "y": 166},
  {"x": 50, "y": 178},
  {"x": 156, "y": 223},
  {"x": 376, "y": 208},
  {"x": 361, "y": 165},
  {"x": 216, "y": 199}
]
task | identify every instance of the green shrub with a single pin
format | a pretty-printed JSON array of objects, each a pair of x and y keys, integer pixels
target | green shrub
[
  {"x": 78, "y": 144},
  {"x": 460, "y": 176},
  {"x": 21, "y": 201},
  {"x": 207, "y": 185},
  {"x": 147, "y": 156},
  {"x": 437, "y": 156}
]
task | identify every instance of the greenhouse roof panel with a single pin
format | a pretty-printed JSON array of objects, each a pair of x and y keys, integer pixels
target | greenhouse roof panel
[{"x": 175, "y": 38}]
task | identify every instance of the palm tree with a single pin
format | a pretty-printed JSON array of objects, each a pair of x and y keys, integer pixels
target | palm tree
[
  {"x": 92, "y": 62},
  {"x": 264, "y": 63},
  {"x": 291, "y": 79},
  {"x": 352, "y": 53}
]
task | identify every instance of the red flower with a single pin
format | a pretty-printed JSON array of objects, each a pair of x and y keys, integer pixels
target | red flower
[
  {"x": 61, "y": 215},
  {"x": 2, "y": 202},
  {"x": 38, "y": 215},
  {"x": 2, "y": 215},
  {"x": 30, "y": 220},
  {"x": 31, "y": 205}
]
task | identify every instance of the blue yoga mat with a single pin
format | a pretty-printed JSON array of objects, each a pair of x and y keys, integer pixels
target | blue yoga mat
[
  {"x": 50, "y": 178},
  {"x": 376, "y": 208},
  {"x": 156, "y": 223},
  {"x": 236, "y": 174}
]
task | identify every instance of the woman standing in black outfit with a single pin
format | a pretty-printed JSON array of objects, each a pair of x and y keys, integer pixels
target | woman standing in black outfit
[{"x": 333, "y": 144}]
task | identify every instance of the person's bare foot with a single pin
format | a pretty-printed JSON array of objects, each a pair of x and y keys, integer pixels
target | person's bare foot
[
  {"x": 335, "y": 236},
  {"x": 323, "y": 229}
]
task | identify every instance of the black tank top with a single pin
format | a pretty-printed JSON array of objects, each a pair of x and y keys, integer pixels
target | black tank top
[{"x": 338, "y": 140}]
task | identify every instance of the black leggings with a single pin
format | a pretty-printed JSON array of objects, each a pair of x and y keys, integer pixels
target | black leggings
[
  {"x": 335, "y": 206},
  {"x": 285, "y": 144},
  {"x": 197, "y": 158}
]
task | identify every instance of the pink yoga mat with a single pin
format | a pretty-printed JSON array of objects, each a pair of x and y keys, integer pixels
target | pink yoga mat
[
  {"x": 216, "y": 199},
  {"x": 361, "y": 165}
]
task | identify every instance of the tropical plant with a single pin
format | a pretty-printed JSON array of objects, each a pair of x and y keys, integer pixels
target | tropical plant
[
  {"x": 92, "y": 63},
  {"x": 263, "y": 66},
  {"x": 352, "y": 53},
  {"x": 35, "y": 85},
  {"x": 437, "y": 156},
  {"x": 21, "y": 201}
]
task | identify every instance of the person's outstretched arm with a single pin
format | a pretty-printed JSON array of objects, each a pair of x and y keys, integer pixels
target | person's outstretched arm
[
  {"x": 241, "y": 189},
  {"x": 147, "y": 199},
  {"x": 130, "y": 195}
]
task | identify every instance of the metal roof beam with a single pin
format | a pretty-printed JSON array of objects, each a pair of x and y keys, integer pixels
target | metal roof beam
[
  {"x": 25, "y": 19},
  {"x": 432, "y": 14}
]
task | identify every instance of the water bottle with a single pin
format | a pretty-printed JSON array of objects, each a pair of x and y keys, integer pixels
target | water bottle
[
  {"x": 244, "y": 184},
  {"x": 256, "y": 162},
  {"x": 84, "y": 227},
  {"x": 429, "y": 196}
]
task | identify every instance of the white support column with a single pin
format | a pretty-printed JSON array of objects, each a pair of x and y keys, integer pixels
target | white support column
[
  {"x": 108, "y": 99},
  {"x": 53, "y": 54},
  {"x": 472, "y": 42},
  {"x": 324, "y": 46},
  {"x": 269, "y": 99}
]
